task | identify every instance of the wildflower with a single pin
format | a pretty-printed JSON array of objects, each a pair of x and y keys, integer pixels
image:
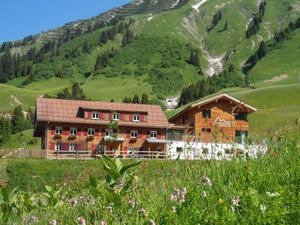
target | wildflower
[
  {"x": 204, "y": 194},
  {"x": 152, "y": 222},
  {"x": 178, "y": 195},
  {"x": 81, "y": 197},
  {"x": 132, "y": 203},
  {"x": 235, "y": 201},
  {"x": 34, "y": 219},
  {"x": 271, "y": 195},
  {"x": 109, "y": 208},
  {"x": 81, "y": 221},
  {"x": 52, "y": 222},
  {"x": 91, "y": 200},
  {"x": 102, "y": 222},
  {"x": 174, "y": 209},
  {"x": 206, "y": 181},
  {"x": 74, "y": 202},
  {"x": 262, "y": 208},
  {"x": 220, "y": 201},
  {"x": 143, "y": 212}
]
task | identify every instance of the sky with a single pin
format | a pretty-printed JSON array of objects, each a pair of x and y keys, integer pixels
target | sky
[{"x": 20, "y": 18}]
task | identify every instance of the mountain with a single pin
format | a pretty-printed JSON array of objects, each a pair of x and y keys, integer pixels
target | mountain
[{"x": 153, "y": 46}]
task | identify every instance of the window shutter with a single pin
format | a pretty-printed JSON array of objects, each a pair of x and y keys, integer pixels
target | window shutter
[
  {"x": 140, "y": 135},
  {"x": 96, "y": 132},
  {"x": 79, "y": 147},
  {"x": 65, "y": 146},
  {"x": 66, "y": 131},
  {"x": 52, "y": 145},
  {"x": 129, "y": 134},
  {"x": 89, "y": 115},
  {"x": 110, "y": 116},
  {"x": 159, "y": 135},
  {"x": 53, "y": 131},
  {"x": 85, "y": 133},
  {"x": 125, "y": 150},
  {"x": 142, "y": 118},
  {"x": 79, "y": 131},
  {"x": 101, "y": 116},
  {"x": 121, "y": 116},
  {"x": 130, "y": 117}
]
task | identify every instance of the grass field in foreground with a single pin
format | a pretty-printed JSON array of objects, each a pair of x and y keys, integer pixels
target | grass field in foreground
[{"x": 260, "y": 191}]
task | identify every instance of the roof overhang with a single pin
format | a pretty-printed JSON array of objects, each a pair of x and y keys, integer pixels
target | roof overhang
[{"x": 214, "y": 99}]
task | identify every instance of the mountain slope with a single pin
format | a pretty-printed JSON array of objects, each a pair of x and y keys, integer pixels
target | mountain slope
[{"x": 157, "y": 60}]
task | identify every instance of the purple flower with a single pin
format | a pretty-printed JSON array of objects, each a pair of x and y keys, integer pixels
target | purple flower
[
  {"x": 34, "y": 219},
  {"x": 206, "y": 181},
  {"x": 152, "y": 222},
  {"x": 81, "y": 221},
  {"x": 91, "y": 200},
  {"x": 143, "y": 212}
]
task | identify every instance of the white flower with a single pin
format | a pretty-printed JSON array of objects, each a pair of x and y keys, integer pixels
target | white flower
[
  {"x": 174, "y": 209},
  {"x": 204, "y": 194},
  {"x": 52, "y": 222},
  {"x": 81, "y": 221},
  {"x": 235, "y": 201},
  {"x": 262, "y": 208},
  {"x": 102, "y": 222},
  {"x": 271, "y": 195},
  {"x": 206, "y": 181},
  {"x": 152, "y": 222},
  {"x": 143, "y": 212}
]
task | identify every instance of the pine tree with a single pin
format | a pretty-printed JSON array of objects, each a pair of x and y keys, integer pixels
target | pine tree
[
  {"x": 262, "y": 51},
  {"x": 195, "y": 59},
  {"x": 19, "y": 122},
  {"x": 77, "y": 92},
  {"x": 136, "y": 99},
  {"x": 145, "y": 99},
  {"x": 103, "y": 37},
  {"x": 64, "y": 94},
  {"x": 5, "y": 130},
  {"x": 86, "y": 47}
]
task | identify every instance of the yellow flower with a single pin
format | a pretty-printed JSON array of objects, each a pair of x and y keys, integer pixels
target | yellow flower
[{"x": 220, "y": 201}]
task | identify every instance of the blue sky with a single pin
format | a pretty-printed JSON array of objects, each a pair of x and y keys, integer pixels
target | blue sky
[{"x": 20, "y": 18}]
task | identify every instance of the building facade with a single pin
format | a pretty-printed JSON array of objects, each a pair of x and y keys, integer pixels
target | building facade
[
  {"x": 220, "y": 119},
  {"x": 70, "y": 128}
]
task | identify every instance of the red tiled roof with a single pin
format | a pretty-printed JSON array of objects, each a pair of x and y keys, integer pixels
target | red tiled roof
[{"x": 58, "y": 110}]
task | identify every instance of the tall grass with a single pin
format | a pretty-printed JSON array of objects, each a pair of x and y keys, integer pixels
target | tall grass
[{"x": 252, "y": 191}]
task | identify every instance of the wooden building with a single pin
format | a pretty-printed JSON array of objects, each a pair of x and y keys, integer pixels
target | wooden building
[
  {"x": 70, "y": 128},
  {"x": 216, "y": 119}
]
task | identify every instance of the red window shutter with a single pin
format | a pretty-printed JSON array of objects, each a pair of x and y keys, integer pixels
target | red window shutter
[
  {"x": 125, "y": 151},
  {"x": 66, "y": 131},
  {"x": 53, "y": 131},
  {"x": 52, "y": 145},
  {"x": 89, "y": 115},
  {"x": 142, "y": 117},
  {"x": 140, "y": 136},
  {"x": 96, "y": 132},
  {"x": 79, "y": 147},
  {"x": 65, "y": 146},
  {"x": 79, "y": 131},
  {"x": 110, "y": 116},
  {"x": 130, "y": 117},
  {"x": 94, "y": 147},
  {"x": 159, "y": 135},
  {"x": 129, "y": 134},
  {"x": 121, "y": 116}
]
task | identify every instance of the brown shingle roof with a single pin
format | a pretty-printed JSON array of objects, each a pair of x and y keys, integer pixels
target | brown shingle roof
[{"x": 58, "y": 110}]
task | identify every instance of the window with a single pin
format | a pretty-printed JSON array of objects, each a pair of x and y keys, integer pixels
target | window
[
  {"x": 58, "y": 130},
  {"x": 153, "y": 134},
  {"x": 241, "y": 116},
  {"x": 179, "y": 149},
  {"x": 58, "y": 147},
  {"x": 136, "y": 117},
  {"x": 73, "y": 131},
  {"x": 134, "y": 134},
  {"x": 91, "y": 132},
  {"x": 206, "y": 113},
  {"x": 116, "y": 116},
  {"x": 95, "y": 115},
  {"x": 72, "y": 147},
  {"x": 208, "y": 130},
  {"x": 108, "y": 133}
]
